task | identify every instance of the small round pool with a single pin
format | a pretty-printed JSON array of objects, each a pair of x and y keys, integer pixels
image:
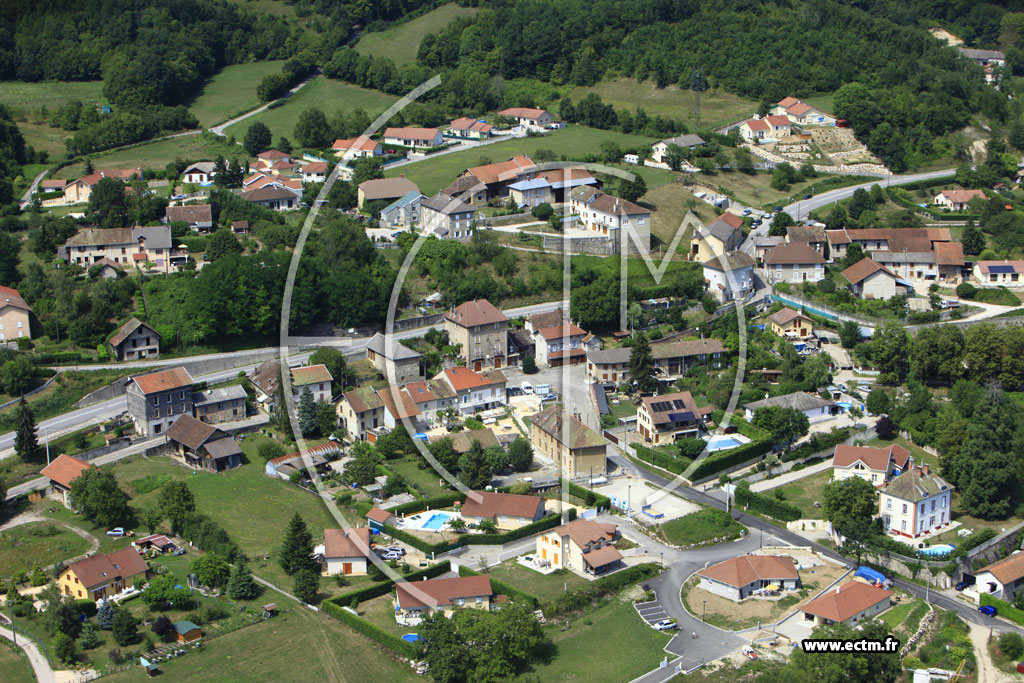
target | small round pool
[
  {"x": 411, "y": 637},
  {"x": 940, "y": 549}
]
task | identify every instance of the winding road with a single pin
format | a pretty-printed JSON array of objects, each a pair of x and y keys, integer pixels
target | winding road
[{"x": 220, "y": 128}]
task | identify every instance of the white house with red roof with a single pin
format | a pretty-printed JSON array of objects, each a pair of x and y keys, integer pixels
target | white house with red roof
[
  {"x": 738, "y": 577},
  {"x": 413, "y": 137},
  {"x": 417, "y": 599},
  {"x": 754, "y": 130},
  {"x": 61, "y": 472},
  {"x": 848, "y": 604},
  {"x": 355, "y": 148},
  {"x": 957, "y": 200},
  {"x": 559, "y": 345},
  {"x": 475, "y": 391},
  {"x": 876, "y": 465},
  {"x": 801, "y": 112},
  {"x": 1003, "y": 273},
  {"x": 346, "y": 551},
  {"x": 528, "y": 116}
]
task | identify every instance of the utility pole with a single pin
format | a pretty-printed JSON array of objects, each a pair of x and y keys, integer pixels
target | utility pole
[{"x": 696, "y": 85}]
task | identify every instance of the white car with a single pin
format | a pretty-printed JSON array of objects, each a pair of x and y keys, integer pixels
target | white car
[
  {"x": 664, "y": 625},
  {"x": 526, "y": 387}
]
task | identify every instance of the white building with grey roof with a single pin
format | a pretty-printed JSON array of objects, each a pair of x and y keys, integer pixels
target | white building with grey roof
[{"x": 814, "y": 407}]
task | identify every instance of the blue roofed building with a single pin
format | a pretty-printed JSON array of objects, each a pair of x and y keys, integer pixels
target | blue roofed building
[{"x": 402, "y": 212}]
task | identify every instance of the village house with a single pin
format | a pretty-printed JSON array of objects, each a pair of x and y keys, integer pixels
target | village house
[
  {"x": 466, "y": 127},
  {"x": 667, "y": 418},
  {"x": 875, "y": 465},
  {"x": 999, "y": 273},
  {"x": 520, "y": 345},
  {"x": 801, "y": 113},
  {"x": 200, "y": 217},
  {"x": 915, "y": 503},
  {"x": 563, "y": 181},
  {"x": 240, "y": 227},
  {"x": 346, "y": 551},
  {"x": 527, "y": 116},
  {"x": 135, "y": 340},
  {"x": 415, "y": 600},
  {"x": 672, "y": 359},
  {"x": 263, "y": 181},
  {"x": 61, "y": 472},
  {"x": 103, "y": 575},
  {"x": 355, "y": 148},
  {"x": 225, "y": 404},
  {"x": 1002, "y": 579},
  {"x": 531, "y": 193},
  {"x": 399, "y": 406},
  {"x": 729, "y": 277},
  {"x": 129, "y": 247},
  {"x": 909, "y": 253},
  {"x": 848, "y": 604},
  {"x": 199, "y": 173},
  {"x": 108, "y": 270},
  {"x": 763, "y": 245},
  {"x": 430, "y": 398},
  {"x": 480, "y": 184},
  {"x": 659, "y": 149},
  {"x": 384, "y": 189},
  {"x": 78, "y": 191},
  {"x": 314, "y": 377},
  {"x": 464, "y": 441},
  {"x": 755, "y": 130},
  {"x": 446, "y": 217},
  {"x": 987, "y": 59},
  {"x": 608, "y": 365},
  {"x": 560, "y": 345},
  {"x": 413, "y": 137},
  {"x": 958, "y": 200},
  {"x": 506, "y": 510},
  {"x": 362, "y": 412},
  {"x": 202, "y": 446},
  {"x": 399, "y": 364},
  {"x": 14, "y": 315},
  {"x": 577, "y": 449},
  {"x": 315, "y": 458},
  {"x": 51, "y": 185},
  {"x": 795, "y": 263},
  {"x": 612, "y": 217},
  {"x": 480, "y": 330},
  {"x": 581, "y": 546},
  {"x": 265, "y": 378},
  {"x": 156, "y": 400},
  {"x": 475, "y": 391},
  {"x": 314, "y": 172},
  {"x": 870, "y": 280},
  {"x": 812, "y": 236},
  {"x": 272, "y": 196},
  {"x": 721, "y": 235},
  {"x": 403, "y": 212},
  {"x": 814, "y": 407},
  {"x": 738, "y": 577},
  {"x": 790, "y": 324}
]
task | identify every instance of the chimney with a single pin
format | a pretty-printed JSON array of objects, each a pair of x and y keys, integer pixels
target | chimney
[
  {"x": 919, "y": 470},
  {"x": 926, "y": 468},
  {"x": 837, "y": 590}
]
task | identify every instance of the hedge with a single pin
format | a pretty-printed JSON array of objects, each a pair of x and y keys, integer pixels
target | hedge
[
  {"x": 819, "y": 441},
  {"x": 1004, "y": 608},
  {"x": 766, "y": 505},
  {"x": 388, "y": 640},
  {"x": 589, "y": 497},
  {"x": 60, "y": 357},
  {"x": 714, "y": 463},
  {"x": 383, "y": 588},
  {"x": 502, "y": 588},
  {"x": 477, "y": 539}
]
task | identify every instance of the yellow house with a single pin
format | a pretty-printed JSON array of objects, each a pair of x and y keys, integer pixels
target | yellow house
[
  {"x": 582, "y": 546},
  {"x": 103, "y": 576},
  {"x": 14, "y": 314},
  {"x": 721, "y": 235},
  {"x": 788, "y": 323},
  {"x": 575, "y": 448}
]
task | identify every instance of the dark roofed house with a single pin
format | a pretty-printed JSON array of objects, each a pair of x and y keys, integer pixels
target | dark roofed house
[
  {"x": 266, "y": 377},
  {"x": 576, "y": 448},
  {"x": 814, "y": 407},
  {"x": 157, "y": 399},
  {"x": 61, "y": 472},
  {"x": 223, "y": 404},
  {"x": 398, "y": 363},
  {"x": 388, "y": 189},
  {"x": 201, "y": 445},
  {"x": 272, "y": 197},
  {"x": 794, "y": 262},
  {"x": 668, "y": 417},
  {"x": 200, "y": 217},
  {"x": 135, "y": 340}
]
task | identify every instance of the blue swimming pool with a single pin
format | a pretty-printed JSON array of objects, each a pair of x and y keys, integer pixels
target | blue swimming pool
[
  {"x": 941, "y": 549},
  {"x": 437, "y": 520},
  {"x": 722, "y": 443}
]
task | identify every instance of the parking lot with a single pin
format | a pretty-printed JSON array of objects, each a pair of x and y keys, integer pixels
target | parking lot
[{"x": 651, "y": 612}]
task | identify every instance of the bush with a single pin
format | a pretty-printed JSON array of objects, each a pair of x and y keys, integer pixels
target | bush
[
  {"x": 1011, "y": 644},
  {"x": 589, "y": 497},
  {"x": 715, "y": 463},
  {"x": 1004, "y": 608},
  {"x": 965, "y": 290},
  {"x": 659, "y": 458},
  {"x": 766, "y": 506}
]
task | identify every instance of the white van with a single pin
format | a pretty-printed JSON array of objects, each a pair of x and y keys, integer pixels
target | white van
[
  {"x": 543, "y": 389},
  {"x": 526, "y": 387}
]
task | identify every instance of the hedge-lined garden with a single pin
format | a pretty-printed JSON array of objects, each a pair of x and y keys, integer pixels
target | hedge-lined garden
[
  {"x": 765, "y": 505},
  {"x": 548, "y": 522},
  {"x": 502, "y": 588},
  {"x": 722, "y": 460}
]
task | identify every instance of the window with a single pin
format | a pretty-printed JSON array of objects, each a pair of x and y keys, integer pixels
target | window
[
  {"x": 903, "y": 525},
  {"x": 922, "y": 508},
  {"x": 156, "y": 413},
  {"x": 888, "y": 503},
  {"x": 904, "y": 508},
  {"x": 933, "y": 506}
]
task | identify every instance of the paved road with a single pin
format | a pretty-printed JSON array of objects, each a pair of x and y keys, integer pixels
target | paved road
[
  {"x": 27, "y": 197},
  {"x": 219, "y": 129},
  {"x": 41, "y": 667}
]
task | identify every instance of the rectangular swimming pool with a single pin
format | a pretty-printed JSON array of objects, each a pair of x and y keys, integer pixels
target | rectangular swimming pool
[
  {"x": 436, "y": 521},
  {"x": 722, "y": 443}
]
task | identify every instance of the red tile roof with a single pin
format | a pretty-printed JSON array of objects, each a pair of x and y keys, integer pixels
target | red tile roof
[
  {"x": 875, "y": 458},
  {"x": 1007, "y": 571},
  {"x": 475, "y": 312},
  {"x": 756, "y": 124},
  {"x": 949, "y": 253},
  {"x": 799, "y": 109},
  {"x": 65, "y": 470},
  {"x": 503, "y": 170},
  {"x": 777, "y": 120},
  {"x": 559, "y": 331},
  {"x": 862, "y": 269},
  {"x": 787, "y": 102},
  {"x": 462, "y": 378},
  {"x": 315, "y": 167},
  {"x": 346, "y": 542},
  {"x": 491, "y": 504},
  {"x": 962, "y": 196},
  {"x": 155, "y": 382},
  {"x": 522, "y": 112},
  {"x": 730, "y": 219},
  {"x": 272, "y": 154},
  {"x": 361, "y": 143},
  {"x": 12, "y": 297},
  {"x": 797, "y": 253},
  {"x": 101, "y": 569},
  {"x": 442, "y": 592},
  {"x": 785, "y": 316},
  {"x": 411, "y": 133},
  {"x": 378, "y": 515},
  {"x": 849, "y": 600}
]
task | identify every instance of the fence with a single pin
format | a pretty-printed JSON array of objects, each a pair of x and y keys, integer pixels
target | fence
[{"x": 825, "y": 311}]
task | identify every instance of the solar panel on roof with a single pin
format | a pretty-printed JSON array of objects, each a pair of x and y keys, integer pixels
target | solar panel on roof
[
  {"x": 661, "y": 406},
  {"x": 1001, "y": 269},
  {"x": 678, "y": 403},
  {"x": 686, "y": 416}
]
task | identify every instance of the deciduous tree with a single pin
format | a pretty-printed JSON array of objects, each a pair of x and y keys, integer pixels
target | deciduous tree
[
  {"x": 96, "y": 494},
  {"x": 257, "y": 138}
]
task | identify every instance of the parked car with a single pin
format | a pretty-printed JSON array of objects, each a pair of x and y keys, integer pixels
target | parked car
[
  {"x": 395, "y": 549},
  {"x": 664, "y": 625},
  {"x": 808, "y": 196},
  {"x": 962, "y": 585},
  {"x": 116, "y": 531},
  {"x": 549, "y": 397},
  {"x": 179, "y": 552},
  {"x": 778, "y": 208},
  {"x": 391, "y": 556},
  {"x": 526, "y": 387},
  {"x": 746, "y": 212},
  {"x": 988, "y": 610}
]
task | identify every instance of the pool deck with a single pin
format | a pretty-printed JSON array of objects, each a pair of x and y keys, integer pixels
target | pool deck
[{"x": 415, "y": 522}]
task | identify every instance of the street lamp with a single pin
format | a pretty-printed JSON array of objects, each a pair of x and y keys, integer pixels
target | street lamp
[
  {"x": 662, "y": 554},
  {"x": 703, "y": 611}
]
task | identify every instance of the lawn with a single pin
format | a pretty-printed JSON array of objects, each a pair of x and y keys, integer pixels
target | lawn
[
  {"x": 906, "y": 616},
  {"x": 45, "y": 138},
  {"x": 401, "y": 43},
  {"x": 804, "y": 492},
  {"x": 435, "y": 174},
  {"x": 624, "y": 408},
  {"x": 545, "y": 587},
  {"x": 426, "y": 481},
  {"x": 156, "y": 155},
  {"x": 670, "y": 204},
  {"x": 717, "y": 108},
  {"x": 610, "y": 643},
  {"x": 231, "y": 92},
  {"x": 381, "y": 613},
  {"x": 323, "y": 93},
  {"x": 38, "y": 544},
  {"x": 23, "y": 97},
  {"x": 14, "y": 666},
  {"x": 755, "y": 189},
  {"x": 700, "y": 526}
]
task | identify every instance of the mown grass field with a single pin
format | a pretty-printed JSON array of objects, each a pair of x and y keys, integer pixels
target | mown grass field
[
  {"x": 323, "y": 93},
  {"x": 401, "y": 42},
  {"x": 231, "y": 92},
  {"x": 23, "y": 97},
  {"x": 45, "y": 138},
  {"x": 435, "y": 174},
  {"x": 156, "y": 155},
  {"x": 14, "y": 666},
  {"x": 700, "y": 526},
  {"x": 37, "y": 544},
  {"x": 670, "y": 204},
  {"x": 803, "y": 493},
  {"x": 546, "y": 587},
  {"x": 717, "y": 108}
]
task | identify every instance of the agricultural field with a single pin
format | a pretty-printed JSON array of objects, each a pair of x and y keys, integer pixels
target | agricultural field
[
  {"x": 437, "y": 173},
  {"x": 23, "y": 98},
  {"x": 156, "y": 155},
  {"x": 401, "y": 43},
  {"x": 717, "y": 108},
  {"x": 323, "y": 93},
  {"x": 231, "y": 92}
]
